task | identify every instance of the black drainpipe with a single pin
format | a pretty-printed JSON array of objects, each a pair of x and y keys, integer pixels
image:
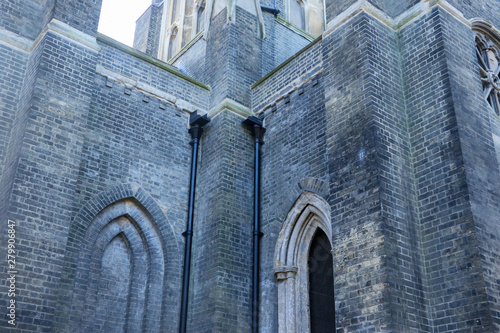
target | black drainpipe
[
  {"x": 275, "y": 11},
  {"x": 196, "y": 123},
  {"x": 258, "y": 132}
]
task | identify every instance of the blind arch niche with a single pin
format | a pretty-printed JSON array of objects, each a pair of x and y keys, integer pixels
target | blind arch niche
[
  {"x": 309, "y": 214},
  {"x": 120, "y": 249}
]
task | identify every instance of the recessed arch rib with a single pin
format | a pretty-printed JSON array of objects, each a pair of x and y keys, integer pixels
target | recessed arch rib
[{"x": 127, "y": 216}]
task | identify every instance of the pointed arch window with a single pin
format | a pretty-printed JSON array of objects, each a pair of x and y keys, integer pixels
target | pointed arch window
[
  {"x": 303, "y": 266},
  {"x": 488, "y": 58},
  {"x": 175, "y": 9},
  {"x": 297, "y": 14},
  {"x": 172, "y": 43},
  {"x": 307, "y": 15},
  {"x": 200, "y": 17}
]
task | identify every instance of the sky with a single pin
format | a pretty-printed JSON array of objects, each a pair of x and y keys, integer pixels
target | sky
[{"x": 118, "y": 18}]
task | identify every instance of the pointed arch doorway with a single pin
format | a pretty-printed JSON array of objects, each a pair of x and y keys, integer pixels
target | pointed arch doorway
[{"x": 303, "y": 266}]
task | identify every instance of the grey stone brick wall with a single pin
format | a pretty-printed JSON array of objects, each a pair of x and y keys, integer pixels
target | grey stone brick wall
[
  {"x": 294, "y": 159},
  {"x": 486, "y": 9},
  {"x": 192, "y": 61},
  {"x": 142, "y": 28},
  {"x": 26, "y": 18},
  {"x": 18, "y": 84},
  {"x": 394, "y": 8},
  {"x": 294, "y": 73},
  {"x": 139, "y": 70},
  {"x": 217, "y": 57},
  {"x": 154, "y": 275},
  {"x": 334, "y": 8},
  {"x": 147, "y": 30},
  {"x": 233, "y": 55},
  {"x": 81, "y": 15},
  {"x": 74, "y": 127},
  {"x": 475, "y": 126},
  {"x": 450, "y": 248},
  {"x": 389, "y": 7},
  {"x": 16, "y": 120},
  {"x": 359, "y": 236},
  {"x": 280, "y": 44},
  {"x": 388, "y": 125},
  {"x": 220, "y": 299},
  {"x": 245, "y": 57},
  {"x": 44, "y": 182},
  {"x": 385, "y": 143},
  {"x": 153, "y": 44},
  {"x": 396, "y": 138},
  {"x": 13, "y": 67}
]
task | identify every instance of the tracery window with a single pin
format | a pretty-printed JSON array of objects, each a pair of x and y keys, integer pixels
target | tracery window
[{"x": 488, "y": 57}]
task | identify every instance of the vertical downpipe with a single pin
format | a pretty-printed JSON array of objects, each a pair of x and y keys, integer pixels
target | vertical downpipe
[
  {"x": 258, "y": 133},
  {"x": 196, "y": 123}
]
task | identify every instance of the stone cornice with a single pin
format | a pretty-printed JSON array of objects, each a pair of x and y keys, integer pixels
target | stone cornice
[
  {"x": 146, "y": 89},
  {"x": 231, "y": 105},
  {"x": 294, "y": 85},
  {"x": 54, "y": 26},
  {"x": 295, "y": 29},
  {"x": 15, "y": 41},
  {"x": 409, "y": 16},
  {"x": 73, "y": 34},
  {"x": 143, "y": 56},
  {"x": 186, "y": 47}
]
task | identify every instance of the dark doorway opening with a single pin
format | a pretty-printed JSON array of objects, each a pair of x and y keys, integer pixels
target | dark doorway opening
[{"x": 321, "y": 299}]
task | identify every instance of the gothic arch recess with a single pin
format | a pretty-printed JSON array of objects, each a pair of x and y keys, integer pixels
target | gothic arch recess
[
  {"x": 115, "y": 269},
  {"x": 309, "y": 213}
]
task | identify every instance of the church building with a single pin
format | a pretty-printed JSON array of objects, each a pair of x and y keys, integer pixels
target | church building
[{"x": 272, "y": 166}]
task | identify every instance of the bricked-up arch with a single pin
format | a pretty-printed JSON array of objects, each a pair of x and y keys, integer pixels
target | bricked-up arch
[
  {"x": 121, "y": 226},
  {"x": 309, "y": 213}
]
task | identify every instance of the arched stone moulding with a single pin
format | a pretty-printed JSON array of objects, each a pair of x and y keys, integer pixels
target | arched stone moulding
[
  {"x": 486, "y": 28},
  {"x": 309, "y": 213},
  {"x": 128, "y": 212}
]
